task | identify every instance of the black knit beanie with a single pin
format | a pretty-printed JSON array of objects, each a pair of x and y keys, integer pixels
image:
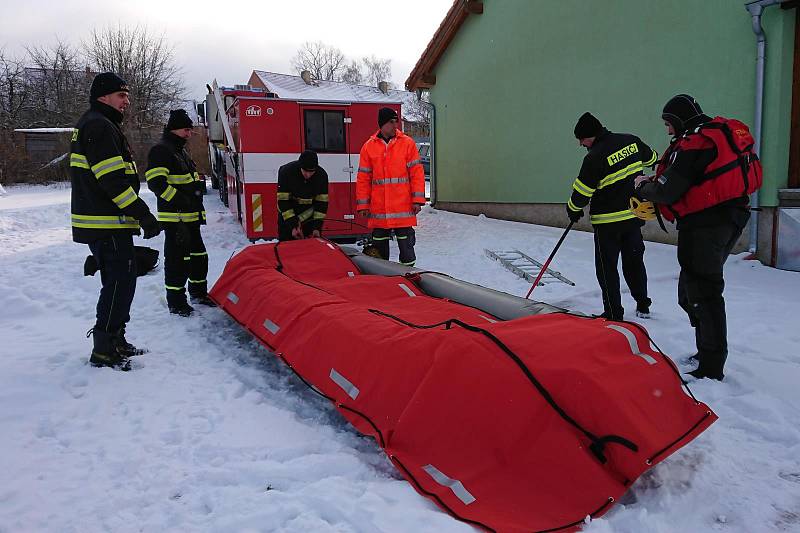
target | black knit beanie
[
  {"x": 587, "y": 126},
  {"x": 308, "y": 160},
  {"x": 107, "y": 83},
  {"x": 178, "y": 119},
  {"x": 385, "y": 115},
  {"x": 682, "y": 111}
]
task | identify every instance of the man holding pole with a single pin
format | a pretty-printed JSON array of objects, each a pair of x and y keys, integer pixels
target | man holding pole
[{"x": 606, "y": 181}]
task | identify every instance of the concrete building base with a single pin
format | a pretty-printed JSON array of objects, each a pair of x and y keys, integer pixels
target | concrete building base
[{"x": 554, "y": 215}]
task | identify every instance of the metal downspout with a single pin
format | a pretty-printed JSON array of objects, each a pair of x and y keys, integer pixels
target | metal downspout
[
  {"x": 433, "y": 154},
  {"x": 433, "y": 145},
  {"x": 756, "y": 9}
]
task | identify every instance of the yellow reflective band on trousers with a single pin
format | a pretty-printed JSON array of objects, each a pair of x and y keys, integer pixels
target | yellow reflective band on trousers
[
  {"x": 78, "y": 160},
  {"x": 289, "y": 213},
  {"x": 631, "y": 169},
  {"x": 197, "y": 281},
  {"x": 125, "y": 199},
  {"x": 305, "y": 215},
  {"x": 107, "y": 166},
  {"x": 582, "y": 188},
  {"x": 284, "y": 196},
  {"x": 156, "y": 171},
  {"x": 178, "y": 217},
  {"x": 179, "y": 179},
  {"x": 104, "y": 222},
  {"x": 618, "y": 216},
  {"x": 304, "y": 201},
  {"x": 193, "y": 254},
  {"x": 170, "y": 288},
  {"x": 169, "y": 193},
  {"x": 319, "y": 215},
  {"x": 321, "y": 198}
]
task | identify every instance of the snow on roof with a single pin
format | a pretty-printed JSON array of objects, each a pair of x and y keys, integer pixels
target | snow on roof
[
  {"x": 44, "y": 130},
  {"x": 294, "y": 88}
]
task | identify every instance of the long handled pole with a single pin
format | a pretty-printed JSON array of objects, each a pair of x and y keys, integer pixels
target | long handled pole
[{"x": 547, "y": 263}]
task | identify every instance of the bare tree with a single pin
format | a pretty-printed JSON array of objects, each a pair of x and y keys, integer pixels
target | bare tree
[
  {"x": 417, "y": 112},
  {"x": 352, "y": 74},
  {"x": 377, "y": 70},
  {"x": 325, "y": 62},
  {"x": 57, "y": 83},
  {"x": 13, "y": 96},
  {"x": 147, "y": 63}
]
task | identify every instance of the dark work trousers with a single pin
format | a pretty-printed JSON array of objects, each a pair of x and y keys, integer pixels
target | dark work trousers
[
  {"x": 185, "y": 259},
  {"x": 611, "y": 241},
  {"x": 406, "y": 239},
  {"x": 115, "y": 258},
  {"x": 702, "y": 253},
  {"x": 285, "y": 230}
]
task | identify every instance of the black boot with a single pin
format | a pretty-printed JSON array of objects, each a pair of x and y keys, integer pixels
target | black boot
[
  {"x": 176, "y": 301},
  {"x": 104, "y": 353},
  {"x": 643, "y": 308},
  {"x": 202, "y": 299},
  {"x": 125, "y": 348},
  {"x": 182, "y": 309},
  {"x": 700, "y": 373}
]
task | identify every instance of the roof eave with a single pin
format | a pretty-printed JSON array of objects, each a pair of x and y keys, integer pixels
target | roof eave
[{"x": 422, "y": 76}]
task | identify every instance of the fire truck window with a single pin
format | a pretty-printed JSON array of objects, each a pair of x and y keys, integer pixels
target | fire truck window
[{"x": 325, "y": 131}]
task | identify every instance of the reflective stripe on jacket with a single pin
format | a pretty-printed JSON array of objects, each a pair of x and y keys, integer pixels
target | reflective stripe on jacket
[
  {"x": 390, "y": 181},
  {"x": 173, "y": 178},
  {"x": 105, "y": 184}
]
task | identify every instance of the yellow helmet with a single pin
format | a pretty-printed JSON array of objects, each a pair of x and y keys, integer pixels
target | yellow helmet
[{"x": 643, "y": 210}]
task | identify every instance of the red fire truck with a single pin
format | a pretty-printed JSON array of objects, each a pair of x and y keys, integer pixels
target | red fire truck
[{"x": 256, "y": 128}]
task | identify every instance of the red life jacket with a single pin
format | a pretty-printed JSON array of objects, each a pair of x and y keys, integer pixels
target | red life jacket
[{"x": 735, "y": 172}]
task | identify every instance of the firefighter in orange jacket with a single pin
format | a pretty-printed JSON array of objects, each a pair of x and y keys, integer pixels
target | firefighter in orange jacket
[{"x": 390, "y": 188}]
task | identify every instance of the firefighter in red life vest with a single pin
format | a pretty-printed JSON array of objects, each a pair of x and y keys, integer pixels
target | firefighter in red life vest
[{"x": 702, "y": 182}]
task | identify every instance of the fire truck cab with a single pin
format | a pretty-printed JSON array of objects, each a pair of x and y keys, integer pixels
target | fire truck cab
[{"x": 255, "y": 129}]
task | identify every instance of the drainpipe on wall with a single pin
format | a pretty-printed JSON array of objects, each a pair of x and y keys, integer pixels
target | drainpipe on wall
[
  {"x": 756, "y": 9},
  {"x": 433, "y": 146}
]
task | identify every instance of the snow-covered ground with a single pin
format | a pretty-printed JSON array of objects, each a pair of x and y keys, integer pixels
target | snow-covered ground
[{"x": 211, "y": 433}]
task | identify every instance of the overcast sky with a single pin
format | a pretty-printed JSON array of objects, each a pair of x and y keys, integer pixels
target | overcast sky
[{"x": 227, "y": 39}]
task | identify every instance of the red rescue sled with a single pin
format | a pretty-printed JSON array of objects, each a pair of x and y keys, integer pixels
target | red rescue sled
[{"x": 530, "y": 424}]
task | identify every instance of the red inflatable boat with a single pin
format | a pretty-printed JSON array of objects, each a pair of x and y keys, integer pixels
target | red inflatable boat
[{"x": 511, "y": 415}]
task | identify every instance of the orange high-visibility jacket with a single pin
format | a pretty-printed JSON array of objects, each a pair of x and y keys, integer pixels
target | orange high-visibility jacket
[{"x": 390, "y": 181}]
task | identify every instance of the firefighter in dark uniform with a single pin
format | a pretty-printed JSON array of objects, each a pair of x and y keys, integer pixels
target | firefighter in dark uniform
[
  {"x": 173, "y": 178},
  {"x": 107, "y": 212},
  {"x": 606, "y": 180},
  {"x": 302, "y": 198},
  {"x": 711, "y": 210}
]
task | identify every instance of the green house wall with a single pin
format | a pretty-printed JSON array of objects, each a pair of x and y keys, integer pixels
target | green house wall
[{"x": 515, "y": 79}]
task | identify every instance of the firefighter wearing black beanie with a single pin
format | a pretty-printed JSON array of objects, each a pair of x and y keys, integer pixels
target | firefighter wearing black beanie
[
  {"x": 587, "y": 126},
  {"x": 606, "y": 181},
  {"x": 107, "y": 212}
]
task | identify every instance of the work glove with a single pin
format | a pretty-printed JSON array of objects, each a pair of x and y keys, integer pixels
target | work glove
[
  {"x": 150, "y": 227},
  {"x": 574, "y": 216}
]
